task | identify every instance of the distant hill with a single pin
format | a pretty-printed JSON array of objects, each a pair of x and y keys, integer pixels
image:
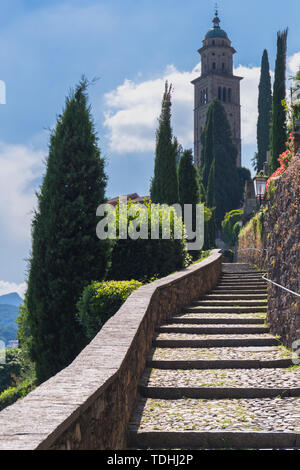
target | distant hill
[
  {"x": 9, "y": 310},
  {"x": 11, "y": 299}
]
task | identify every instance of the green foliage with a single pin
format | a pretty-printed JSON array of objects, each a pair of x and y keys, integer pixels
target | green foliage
[
  {"x": 218, "y": 147},
  {"x": 100, "y": 301},
  {"x": 189, "y": 187},
  {"x": 229, "y": 254},
  {"x": 16, "y": 366},
  {"x": 269, "y": 196},
  {"x": 143, "y": 258},
  {"x": 164, "y": 184},
  {"x": 24, "y": 333},
  {"x": 66, "y": 253},
  {"x": 188, "y": 179},
  {"x": 229, "y": 226},
  {"x": 12, "y": 394},
  {"x": 264, "y": 113},
  {"x": 278, "y": 117}
]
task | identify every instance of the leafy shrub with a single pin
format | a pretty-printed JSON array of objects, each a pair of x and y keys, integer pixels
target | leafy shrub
[
  {"x": 231, "y": 218},
  {"x": 16, "y": 366},
  {"x": 12, "y": 394},
  {"x": 100, "y": 301},
  {"x": 144, "y": 258}
]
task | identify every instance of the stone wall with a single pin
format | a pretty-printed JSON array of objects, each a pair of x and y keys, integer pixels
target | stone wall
[
  {"x": 277, "y": 250},
  {"x": 88, "y": 405}
]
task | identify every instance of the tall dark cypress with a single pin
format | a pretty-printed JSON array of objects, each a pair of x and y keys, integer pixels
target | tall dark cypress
[
  {"x": 164, "y": 184},
  {"x": 264, "y": 112},
  {"x": 278, "y": 116},
  {"x": 66, "y": 253},
  {"x": 219, "y": 147},
  {"x": 189, "y": 186},
  {"x": 211, "y": 203}
]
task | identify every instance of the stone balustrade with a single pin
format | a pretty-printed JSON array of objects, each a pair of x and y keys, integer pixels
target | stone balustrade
[{"x": 89, "y": 403}]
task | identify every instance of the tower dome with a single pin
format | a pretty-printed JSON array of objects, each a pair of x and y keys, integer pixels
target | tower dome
[{"x": 216, "y": 31}]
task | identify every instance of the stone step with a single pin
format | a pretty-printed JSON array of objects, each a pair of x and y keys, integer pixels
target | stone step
[
  {"x": 213, "y": 440},
  {"x": 209, "y": 423},
  {"x": 224, "y": 296},
  {"x": 238, "y": 290},
  {"x": 226, "y": 303},
  {"x": 232, "y": 309},
  {"x": 242, "y": 279},
  {"x": 225, "y": 318},
  {"x": 213, "y": 341},
  {"x": 219, "y": 364},
  {"x": 176, "y": 393},
  {"x": 242, "y": 284},
  {"x": 213, "y": 329},
  {"x": 265, "y": 355},
  {"x": 238, "y": 286},
  {"x": 219, "y": 383}
]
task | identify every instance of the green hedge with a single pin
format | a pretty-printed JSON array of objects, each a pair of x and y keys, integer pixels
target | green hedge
[
  {"x": 100, "y": 301},
  {"x": 144, "y": 258}
]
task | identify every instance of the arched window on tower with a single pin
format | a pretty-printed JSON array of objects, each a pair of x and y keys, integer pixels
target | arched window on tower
[
  {"x": 224, "y": 95},
  {"x": 223, "y": 67},
  {"x": 229, "y": 95},
  {"x": 220, "y": 93},
  {"x": 214, "y": 66}
]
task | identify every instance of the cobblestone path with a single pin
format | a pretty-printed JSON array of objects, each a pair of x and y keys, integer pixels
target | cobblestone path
[{"x": 216, "y": 378}]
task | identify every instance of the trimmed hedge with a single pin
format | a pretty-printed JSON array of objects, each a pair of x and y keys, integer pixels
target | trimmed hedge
[
  {"x": 100, "y": 301},
  {"x": 144, "y": 258}
]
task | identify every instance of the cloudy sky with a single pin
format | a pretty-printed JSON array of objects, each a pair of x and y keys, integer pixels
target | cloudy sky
[{"x": 132, "y": 46}]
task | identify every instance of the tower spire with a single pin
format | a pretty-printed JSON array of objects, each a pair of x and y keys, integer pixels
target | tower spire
[{"x": 216, "y": 20}]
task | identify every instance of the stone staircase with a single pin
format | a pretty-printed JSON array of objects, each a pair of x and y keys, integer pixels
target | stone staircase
[{"x": 217, "y": 378}]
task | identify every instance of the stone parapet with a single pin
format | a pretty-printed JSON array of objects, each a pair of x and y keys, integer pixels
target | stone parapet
[
  {"x": 273, "y": 244},
  {"x": 89, "y": 403}
]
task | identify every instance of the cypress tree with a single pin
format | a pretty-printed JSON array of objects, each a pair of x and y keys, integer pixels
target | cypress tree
[
  {"x": 208, "y": 145},
  {"x": 219, "y": 147},
  {"x": 211, "y": 203},
  {"x": 164, "y": 184},
  {"x": 188, "y": 179},
  {"x": 264, "y": 112},
  {"x": 278, "y": 117},
  {"x": 66, "y": 253},
  {"x": 189, "y": 186}
]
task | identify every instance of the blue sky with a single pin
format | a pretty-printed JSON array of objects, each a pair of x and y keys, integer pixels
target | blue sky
[{"x": 132, "y": 46}]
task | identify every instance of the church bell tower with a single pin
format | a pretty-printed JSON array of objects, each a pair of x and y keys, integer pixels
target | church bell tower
[{"x": 217, "y": 81}]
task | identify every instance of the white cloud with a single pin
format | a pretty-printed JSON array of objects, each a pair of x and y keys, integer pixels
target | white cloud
[
  {"x": 20, "y": 166},
  {"x": 8, "y": 287},
  {"x": 293, "y": 63},
  {"x": 249, "y": 102},
  {"x": 132, "y": 109}
]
